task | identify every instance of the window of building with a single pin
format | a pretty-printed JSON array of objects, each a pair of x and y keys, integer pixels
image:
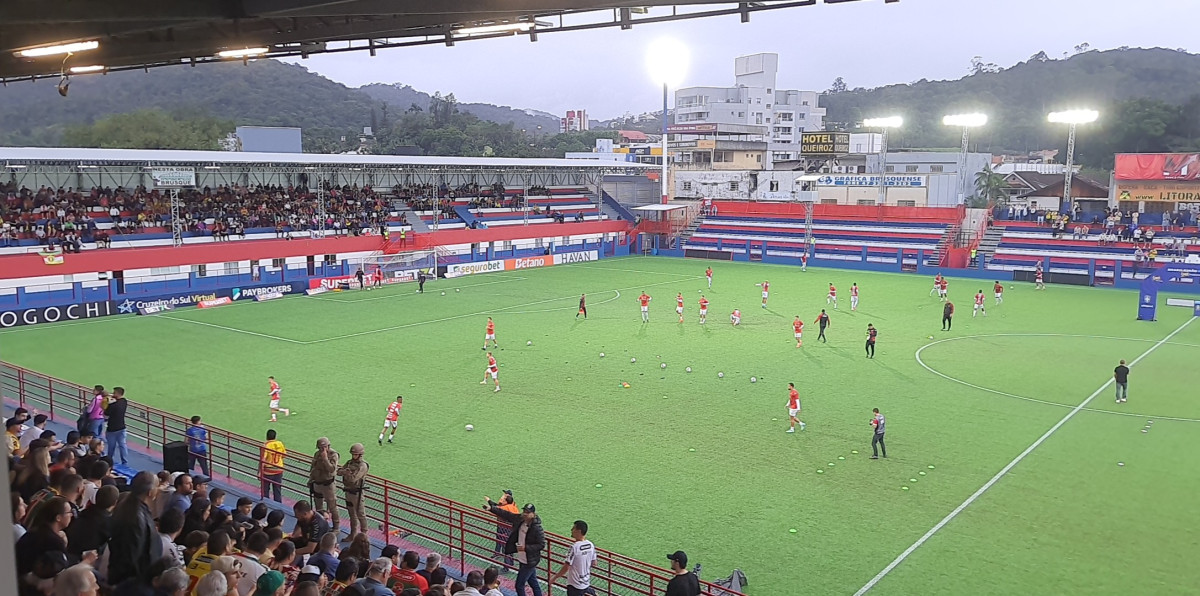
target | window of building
[
  {"x": 802, "y": 116},
  {"x": 758, "y": 158},
  {"x": 277, "y": 263},
  {"x": 804, "y": 103},
  {"x": 785, "y": 117},
  {"x": 330, "y": 260},
  {"x": 782, "y": 156},
  {"x": 200, "y": 270},
  {"x": 768, "y": 106},
  {"x": 936, "y": 168},
  {"x": 757, "y": 100},
  {"x": 829, "y": 201},
  {"x": 758, "y": 117},
  {"x": 910, "y": 169},
  {"x": 723, "y": 156},
  {"x": 906, "y": 203},
  {"x": 733, "y": 186},
  {"x": 774, "y": 184},
  {"x": 687, "y": 185},
  {"x": 741, "y": 114},
  {"x": 890, "y": 169},
  {"x": 866, "y": 202},
  {"x": 768, "y": 120}
]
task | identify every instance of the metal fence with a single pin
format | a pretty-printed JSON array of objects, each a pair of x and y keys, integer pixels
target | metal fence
[{"x": 396, "y": 513}]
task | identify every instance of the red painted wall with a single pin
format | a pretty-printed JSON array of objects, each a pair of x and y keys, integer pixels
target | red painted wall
[{"x": 120, "y": 259}]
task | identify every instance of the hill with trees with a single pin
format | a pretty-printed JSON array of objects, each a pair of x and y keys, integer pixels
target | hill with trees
[{"x": 1149, "y": 100}]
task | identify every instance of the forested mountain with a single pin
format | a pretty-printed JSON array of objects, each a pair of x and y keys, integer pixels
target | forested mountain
[
  {"x": 401, "y": 97},
  {"x": 1149, "y": 101}
]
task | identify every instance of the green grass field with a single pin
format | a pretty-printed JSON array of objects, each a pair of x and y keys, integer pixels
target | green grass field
[{"x": 1065, "y": 519}]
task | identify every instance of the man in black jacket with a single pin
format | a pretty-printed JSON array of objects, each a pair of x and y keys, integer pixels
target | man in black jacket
[
  {"x": 683, "y": 582},
  {"x": 115, "y": 437},
  {"x": 525, "y": 542},
  {"x": 91, "y": 529},
  {"x": 135, "y": 544}
]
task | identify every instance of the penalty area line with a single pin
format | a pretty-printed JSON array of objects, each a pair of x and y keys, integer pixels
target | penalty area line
[
  {"x": 1004, "y": 471},
  {"x": 234, "y": 329}
]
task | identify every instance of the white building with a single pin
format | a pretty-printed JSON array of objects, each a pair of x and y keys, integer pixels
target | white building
[
  {"x": 754, "y": 100},
  {"x": 575, "y": 121}
]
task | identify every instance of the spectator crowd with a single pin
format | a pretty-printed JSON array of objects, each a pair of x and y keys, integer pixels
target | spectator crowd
[{"x": 85, "y": 524}]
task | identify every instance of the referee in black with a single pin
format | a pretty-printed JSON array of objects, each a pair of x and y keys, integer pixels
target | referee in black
[
  {"x": 421, "y": 281},
  {"x": 947, "y": 315},
  {"x": 871, "y": 333},
  {"x": 822, "y": 323}
]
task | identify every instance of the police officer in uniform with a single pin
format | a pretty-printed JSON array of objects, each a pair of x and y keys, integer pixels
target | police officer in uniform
[
  {"x": 353, "y": 474},
  {"x": 321, "y": 476}
]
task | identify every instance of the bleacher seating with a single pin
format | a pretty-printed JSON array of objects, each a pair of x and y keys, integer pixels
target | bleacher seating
[
  {"x": 1023, "y": 244},
  {"x": 840, "y": 239}
]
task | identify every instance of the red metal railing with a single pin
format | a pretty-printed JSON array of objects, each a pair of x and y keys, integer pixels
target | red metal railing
[{"x": 398, "y": 514}]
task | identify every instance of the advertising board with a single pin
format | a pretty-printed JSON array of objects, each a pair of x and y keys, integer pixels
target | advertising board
[
  {"x": 871, "y": 180},
  {"x": 53, "y": 314},
  {"x": 1157, "y": 166},
  {"x": 1164, "y": 191},
  {"x": 824, "y": 143}
]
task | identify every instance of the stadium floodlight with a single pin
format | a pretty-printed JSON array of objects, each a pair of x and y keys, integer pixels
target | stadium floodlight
[
  {"x": 1071, "y": 118},
  {"x": 243, "y": 52},
  {"x": 498, "y": 28},
  {"x": 667, "y": 62},
  {"x": 62, "y": 48},
  {"x": 87, "y": 69},
  {"x": 965, "y": 120},
  {"x": 886, "y": 122},
  {"x": 1074, "y": 117}
]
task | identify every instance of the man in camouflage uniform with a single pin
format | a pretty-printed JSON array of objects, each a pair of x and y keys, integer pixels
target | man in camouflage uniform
[
  {"x": 353, "y": 474},
  {"x": 321, "y": 476}
]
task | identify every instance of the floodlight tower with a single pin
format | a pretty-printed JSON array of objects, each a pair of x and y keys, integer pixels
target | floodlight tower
[
  {"x": 808, "y": 196},
  {"x": 1071, "y": 118},
  {"x": 884, "y": 124},
  {"x": 667, "y": 61},
  {"x": 967, "y": 122}
]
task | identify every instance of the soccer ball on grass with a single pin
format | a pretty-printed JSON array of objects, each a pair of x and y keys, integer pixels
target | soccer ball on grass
[
  {"x": 753, "y": 379},
  {"x": 470, "y": 427},
  {"x": 663, "y": 365},
  {"x": 720, "y": 375},
  {"x": 529, "y": 343},
  {"x": 601, "y": 354},
  {"x": 632, "y": 360}
]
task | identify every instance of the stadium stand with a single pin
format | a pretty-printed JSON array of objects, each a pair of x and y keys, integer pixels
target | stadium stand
[
  {"x": 400, "y": 519},
  {"x": 780, "y": 229}
]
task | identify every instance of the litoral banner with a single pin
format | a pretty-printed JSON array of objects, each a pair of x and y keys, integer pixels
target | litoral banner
[{"x": 52, "y": 314}]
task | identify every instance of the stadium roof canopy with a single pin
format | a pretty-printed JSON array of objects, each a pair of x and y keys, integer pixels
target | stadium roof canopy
[
  {"x": 20, "y": 157},
  {"x": 135, "y": 34}
]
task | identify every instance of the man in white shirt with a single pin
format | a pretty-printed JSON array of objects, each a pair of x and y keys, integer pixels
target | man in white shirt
[
  {"x": 578, "y": 566},
  {"x": 474, "y": 583}
]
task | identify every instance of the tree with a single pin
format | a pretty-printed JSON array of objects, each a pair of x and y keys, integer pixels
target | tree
[
  {"x": 978, "y": 66},
  {"x": 990, "y": 187},
  {"x": 1039, "y": 57},
  {"x": 1083, "y": 47},
  {"x": 838, "y": 86},
  {"x": 151, "y": 129}
]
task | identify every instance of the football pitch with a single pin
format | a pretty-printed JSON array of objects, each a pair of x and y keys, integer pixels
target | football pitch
[{"x": 1010, "y": 470}]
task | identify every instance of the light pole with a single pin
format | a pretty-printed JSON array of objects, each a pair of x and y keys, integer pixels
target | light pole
[
  {"x": 967, "y": 122},
  {"x": 1072, "y": 118},
  {"x": 883, "y": 124},
  {"x": 667, "y": 61}
]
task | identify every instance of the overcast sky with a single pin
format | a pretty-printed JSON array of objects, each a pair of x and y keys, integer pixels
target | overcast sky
[{"x": 867, "y": 43}]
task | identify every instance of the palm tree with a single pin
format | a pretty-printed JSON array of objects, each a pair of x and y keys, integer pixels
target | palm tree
[{"x": 991, "y": 187}]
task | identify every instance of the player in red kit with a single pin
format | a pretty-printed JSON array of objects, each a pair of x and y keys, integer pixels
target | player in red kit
[
  {"x": 582, "y": 306},
  {"x": 853, "y": 296},
  {"x": 937, "y": 285},
  {"x": 766, "y": 287},
  {"x": 1039, "y": 283},
  {"x": 492, "y": 370},
  {"x": 275, "y": 400},
  {"x": 735, "y": 317},
  {"x": 703, "y": 309},
  {"x": 708, "y": 275},
  {"x": 998, "y": 288},
  {"x": 645, "y": 299},
  {"x": 794, "y": 408},
  {"x": 378, "y": 276},
  {"x": 831, "y": 298},
  {"x": 978, "y": 304},
  {"x": 490, "y": 334},
  {"x": 392, "y": 420},
  {"x": 798, "y": 330},
  {"x": 679, "y": 305},
  {"x": 942, "y": 289}
]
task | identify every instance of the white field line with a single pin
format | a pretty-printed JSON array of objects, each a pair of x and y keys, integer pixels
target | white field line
[
  {"x": 405, "y": 295},
  {"x": 1042, "y": 401},
  {"x": 234, "y": 329},
  {"x": 475, "y": 314},
  {"x": 1004, "y": 471}
]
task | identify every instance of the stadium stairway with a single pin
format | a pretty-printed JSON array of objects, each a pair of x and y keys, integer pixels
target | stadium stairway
[
  {"x": 691, "y": 229},
  {"x": 989, "y": 243},
  {"x": 464, "y": 213},
  {"x": 614, "y": 209},
  {"x": 418, "y": 225},
  {"x": 141, "y": 459}
]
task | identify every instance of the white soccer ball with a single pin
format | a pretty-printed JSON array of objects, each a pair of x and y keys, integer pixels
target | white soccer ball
[
  {"x": 457, "y": 290},
  {"x": 688, "y": 369},
  {"x": 443, "y": 293},
  {"x": 663, "y": 365},
  {"x": 601, "y": 354},
  {"x": 699, "y": 291},
  {"x": 632, "y": 360},
  {"x": 753, "y": 379},
  {"x": 529, "y": 343},
  {"x": 720, "y": 375},
  {"x": 470, "y": 427}
]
